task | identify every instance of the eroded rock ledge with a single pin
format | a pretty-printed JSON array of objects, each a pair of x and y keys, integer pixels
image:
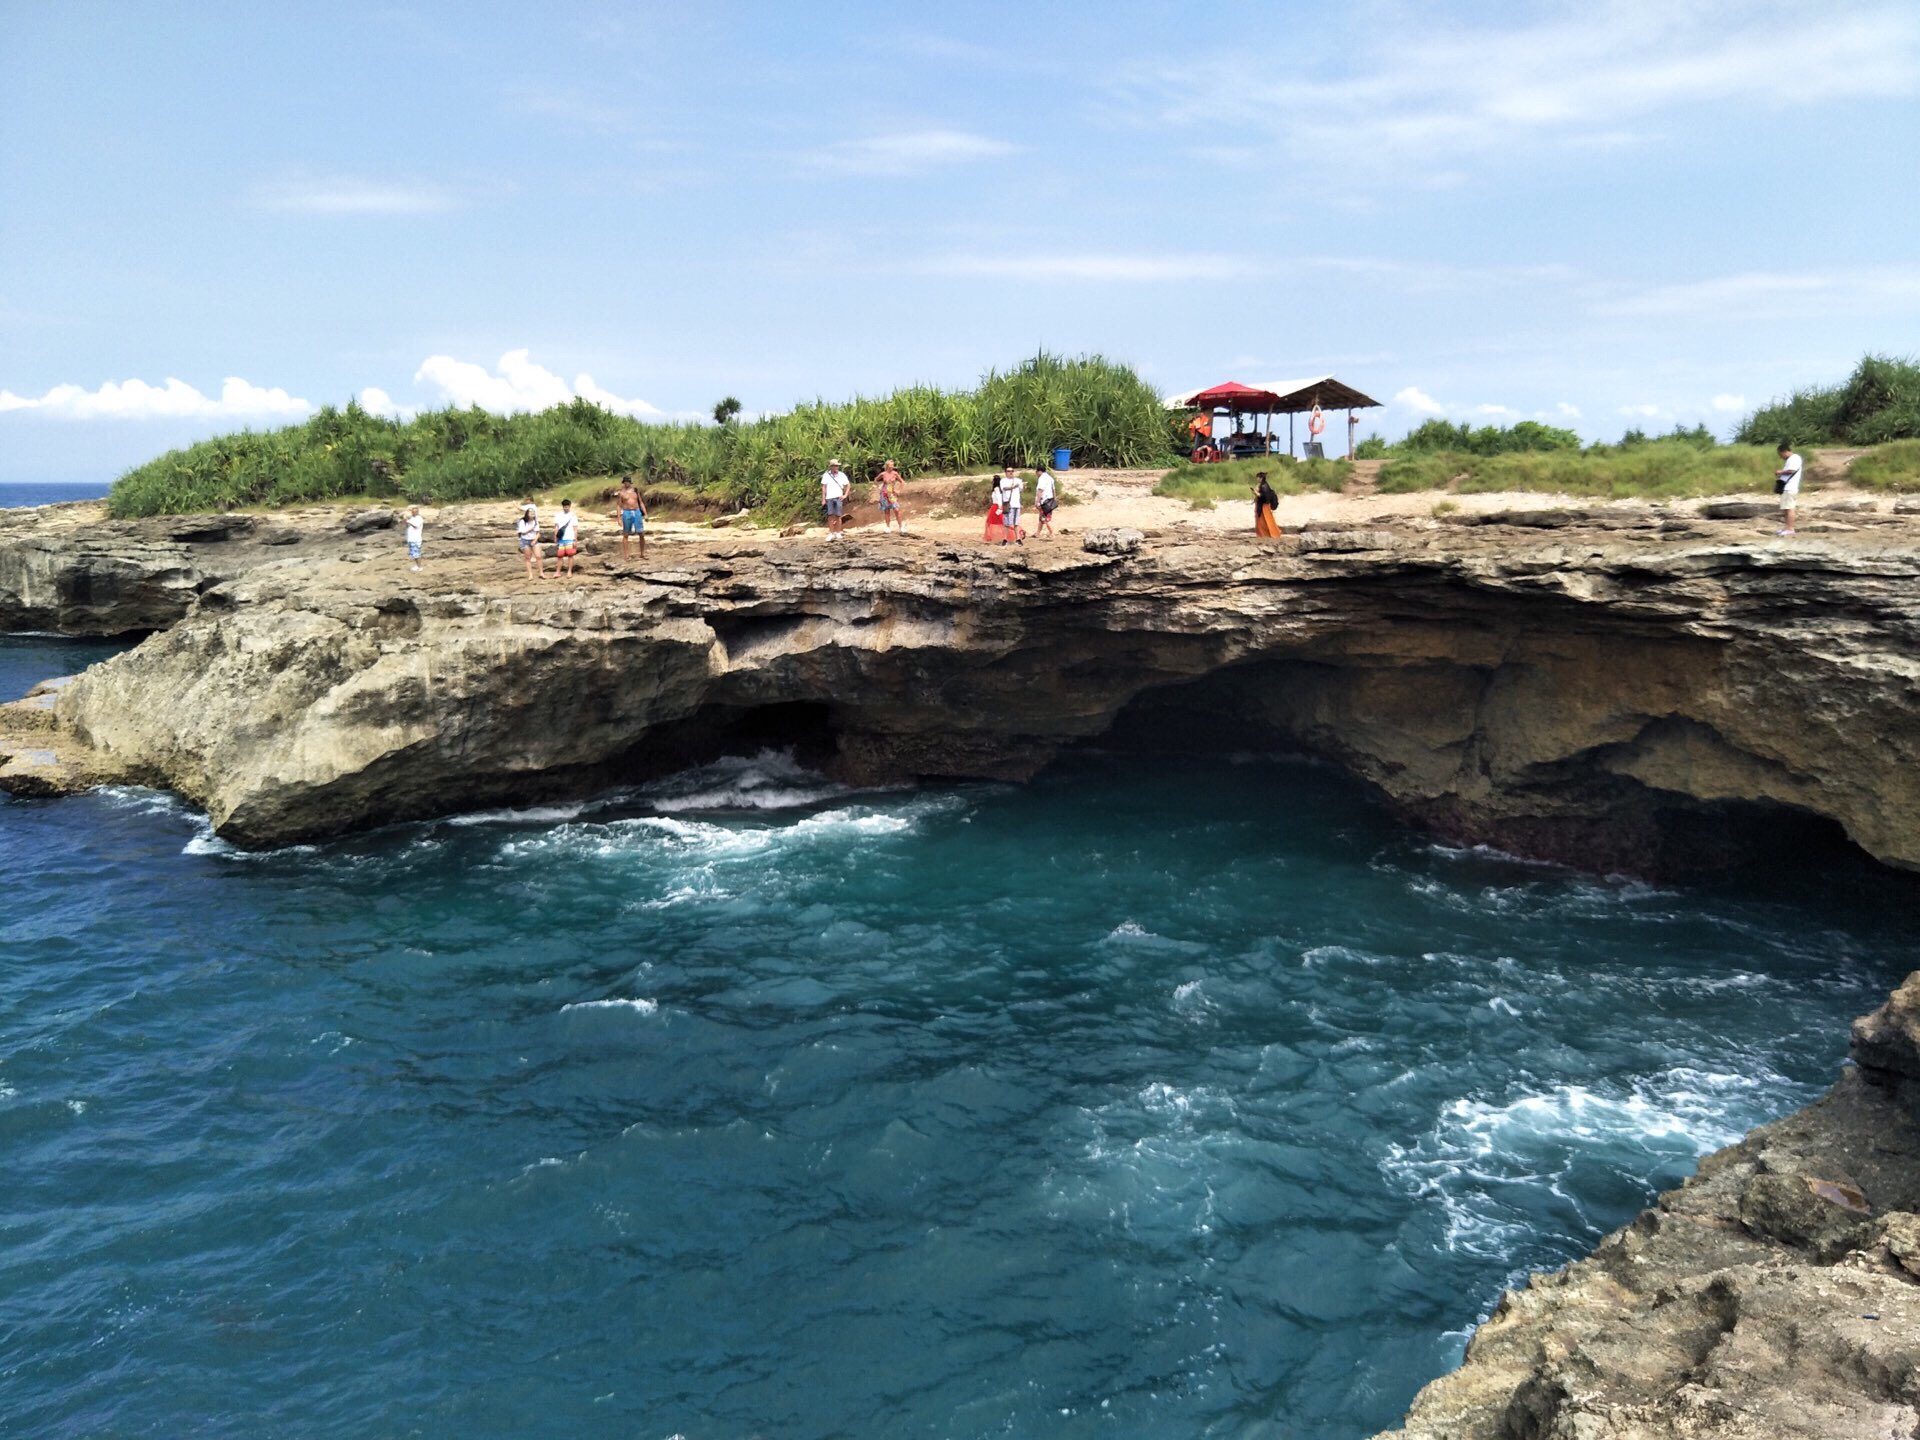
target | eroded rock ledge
[
  {"x": 1576, "y": 691},
  {"x": 1774, "y": 1296}
]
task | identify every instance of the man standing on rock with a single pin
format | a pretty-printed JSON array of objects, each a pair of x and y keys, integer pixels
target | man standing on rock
[
  {"x": 1009, "y": 489},
  {"x": 633, "y": 516},
  {"x": 834, "y": 486},
  {"x": 1787, "y": 481},
  {"x": 1043, "y": 500}
]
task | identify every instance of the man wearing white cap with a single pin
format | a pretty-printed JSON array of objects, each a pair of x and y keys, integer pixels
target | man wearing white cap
[{"x": 834, "y": 486}]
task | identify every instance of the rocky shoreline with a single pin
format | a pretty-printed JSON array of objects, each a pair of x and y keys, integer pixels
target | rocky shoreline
[
  {"x": 1638, "y": 689},
  {"x": 1773, "y": 1296}
]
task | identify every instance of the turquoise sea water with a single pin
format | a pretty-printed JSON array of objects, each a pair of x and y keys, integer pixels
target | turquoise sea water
[{"x": 1159, "y": 1098}]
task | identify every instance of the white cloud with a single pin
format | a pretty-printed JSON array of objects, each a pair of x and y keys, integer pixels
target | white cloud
[
  {"x": 516, "y": 384},
  {"x": 1095, "y": 266},
  {"x": 1582, "y": 76},
  {"x": 175, "y": 399},
  {"x": 1417, "y": 400},
  {"x": 1570, "y": 412},
  {"x": 1642, "y": 412},
  {"x": 911, "y": 152},
  {"x": 350, "y": 195},
  {"x": 1730, "y": 404},
  {"x": 1494, "y": 410},
  {"x": 376, "y": 401}
]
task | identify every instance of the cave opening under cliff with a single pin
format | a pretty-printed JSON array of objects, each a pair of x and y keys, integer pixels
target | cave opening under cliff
[{"x": 1575, "y": 813}]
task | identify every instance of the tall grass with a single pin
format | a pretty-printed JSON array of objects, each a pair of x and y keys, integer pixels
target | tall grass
[
  {"x": 1895, "y": 466},
  {"x": 1663, "y": 469},
  {"x": 1099, "y": 409},
  {"x": 1233, "y": 479},
  {"x": 1878, "y": 403}
]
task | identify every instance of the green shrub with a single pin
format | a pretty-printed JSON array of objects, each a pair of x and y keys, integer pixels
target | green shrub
[
  {"x": 1879, "y": 402},
  {"x": 1100, "y": 410},
  {"x": 1442, "y": 437}
]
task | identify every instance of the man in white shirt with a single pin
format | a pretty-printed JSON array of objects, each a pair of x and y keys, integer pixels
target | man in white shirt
[
  {"x": 1043, "y": 498},
  {"x": 1009, "y": 490},
  {"x": 834, "y": 486},
  {"x": 1787, "y": 481}
]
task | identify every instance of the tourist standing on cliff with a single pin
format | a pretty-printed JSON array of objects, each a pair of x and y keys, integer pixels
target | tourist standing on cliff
[
  {"x": 1008, "y": 491},
  {"x": 526, "y": 530},
  {"x": 1787, "y": 481},
  {"x": 416, "y": 533},
  {"x": 1264, "y": 503},
  {"x": 834, "y": 486},
  {"x": 1043, "y": 498},
  {"x": 566, "y": 540},
  {"x": 633, "y": 516},
  {"x": 887, "y": 491}
]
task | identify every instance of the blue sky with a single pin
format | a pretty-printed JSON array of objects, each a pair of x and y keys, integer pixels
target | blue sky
[{"x": 1605, "y": 214}]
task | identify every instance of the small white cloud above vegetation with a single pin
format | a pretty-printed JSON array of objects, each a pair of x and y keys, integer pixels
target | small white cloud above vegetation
[
  {"x": 1418, "y": 401},
  {"x": 516, "y": 384},
  {"x": 174, "y": 399}
]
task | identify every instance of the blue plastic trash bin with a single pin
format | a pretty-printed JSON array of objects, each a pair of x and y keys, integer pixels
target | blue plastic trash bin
[{"x": 1062, "y": 458}]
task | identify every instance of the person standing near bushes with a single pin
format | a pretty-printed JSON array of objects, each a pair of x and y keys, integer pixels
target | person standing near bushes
[
  {"x": 1786, "y": 480},
  {"x": 886, "y": 490},
  {"x": 1008, "y": 491},
  {"x": 834, "y": 486},
  {"x": 633, "y": 516},
  {"x": 416, "y": 533},
  {"x": 1043, "y": 499}
]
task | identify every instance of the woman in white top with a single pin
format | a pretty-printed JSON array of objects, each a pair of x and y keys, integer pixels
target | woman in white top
[{"x": 527, "y": 531}]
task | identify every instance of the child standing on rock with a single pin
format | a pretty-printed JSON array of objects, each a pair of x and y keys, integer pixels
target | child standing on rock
[
  {"x": 416, "y": 533},
  {"x": 566, "y": 540}
]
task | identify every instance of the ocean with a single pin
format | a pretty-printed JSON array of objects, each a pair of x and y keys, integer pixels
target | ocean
[
  {"x": 15, "y": 495},
  {"x": 1159, "y": 1098}
]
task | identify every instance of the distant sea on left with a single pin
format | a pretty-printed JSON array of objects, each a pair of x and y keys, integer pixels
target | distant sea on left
[{"x": 16, "y": 495}]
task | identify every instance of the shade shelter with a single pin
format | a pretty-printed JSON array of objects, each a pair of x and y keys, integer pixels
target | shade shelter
[{"x": 1278, "y": 397}]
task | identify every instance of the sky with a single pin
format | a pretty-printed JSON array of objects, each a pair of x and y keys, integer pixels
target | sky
[{"x": 1602, "y": 215}]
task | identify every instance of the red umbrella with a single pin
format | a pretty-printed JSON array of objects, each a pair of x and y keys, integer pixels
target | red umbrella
[{"x": 1232, "y": 395}]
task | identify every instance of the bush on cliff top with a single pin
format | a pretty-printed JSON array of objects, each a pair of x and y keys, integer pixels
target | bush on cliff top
[
  {"x": 1878, "y": 403},
  {"x": 1101, "y": 410}
]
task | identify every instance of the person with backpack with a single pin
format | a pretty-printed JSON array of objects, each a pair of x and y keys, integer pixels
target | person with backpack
[{"x": 1043, "y": 497}]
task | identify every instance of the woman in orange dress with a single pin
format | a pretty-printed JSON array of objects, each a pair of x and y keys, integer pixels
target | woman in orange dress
[{"x": 1264, "y": 501}]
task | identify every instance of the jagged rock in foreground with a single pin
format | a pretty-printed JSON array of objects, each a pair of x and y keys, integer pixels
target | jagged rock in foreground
[
  {"x": 1585, "y": 692},
  {"x": 1774, "y": 1296}
]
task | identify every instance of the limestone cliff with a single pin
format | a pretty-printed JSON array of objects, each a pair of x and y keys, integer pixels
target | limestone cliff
[
  {"x": 1774, "y": 1296},
  {"x": 1574, "y": 692}
]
